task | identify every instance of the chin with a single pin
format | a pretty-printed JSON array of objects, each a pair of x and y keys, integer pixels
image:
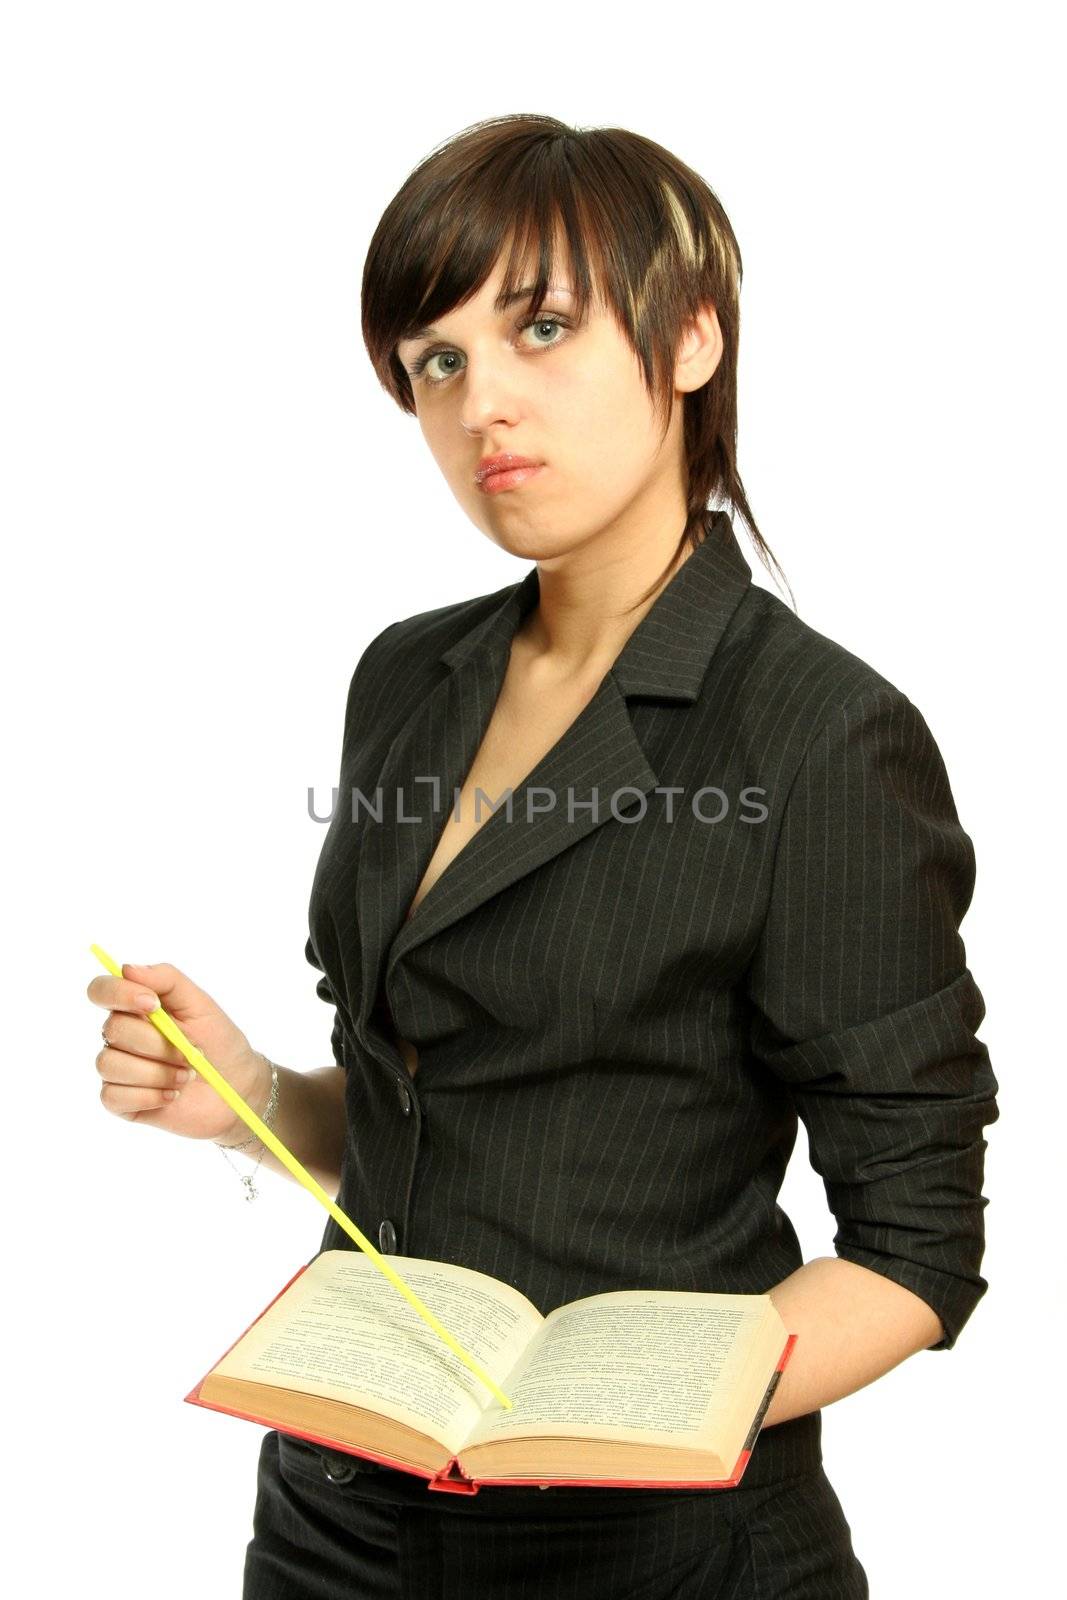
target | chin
[
  {"x": 524, "y": 540},
  {"x": 534, "y": 544}
]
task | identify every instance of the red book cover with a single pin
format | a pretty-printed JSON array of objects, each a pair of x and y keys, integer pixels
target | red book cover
[{"x": 453, "y": 1480}]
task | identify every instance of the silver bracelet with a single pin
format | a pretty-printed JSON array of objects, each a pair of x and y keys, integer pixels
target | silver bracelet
[{"x": 268, "y": 1112}]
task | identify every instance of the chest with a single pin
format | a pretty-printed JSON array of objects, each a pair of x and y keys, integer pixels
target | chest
[
  {"x": 526, "y": 722},
  {"x": 564, "y": 927}
]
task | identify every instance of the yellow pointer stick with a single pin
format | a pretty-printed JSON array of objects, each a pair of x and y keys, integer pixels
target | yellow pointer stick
[{"x": 196, "y": 1058}]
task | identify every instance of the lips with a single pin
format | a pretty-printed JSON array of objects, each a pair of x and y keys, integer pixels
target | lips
[{"x": 502, "y": 463}]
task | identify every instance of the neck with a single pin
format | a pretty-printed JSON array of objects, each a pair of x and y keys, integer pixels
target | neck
[{"x": 583, "y": 616}]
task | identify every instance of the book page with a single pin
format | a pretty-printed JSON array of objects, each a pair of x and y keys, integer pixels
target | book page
[
  {"x": 661, "y": 1367},
  {"x": 345, "y": 1332}
]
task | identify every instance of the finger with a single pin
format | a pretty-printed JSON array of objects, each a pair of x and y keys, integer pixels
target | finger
[
  {"x": 177, "y": 993},
  {"x": 122, "y": 994},
  {"x": 139, "y": 1037},
  {"x": 125, "y": 1100},
  {"x": 121, "y": 1068}
]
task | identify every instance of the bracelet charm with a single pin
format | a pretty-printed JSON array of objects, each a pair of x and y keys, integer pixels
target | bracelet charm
[{"x": 247, "y": 1178}]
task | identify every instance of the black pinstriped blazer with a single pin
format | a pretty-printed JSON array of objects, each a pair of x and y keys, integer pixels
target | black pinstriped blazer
[{"x": 620, "y": 1011}]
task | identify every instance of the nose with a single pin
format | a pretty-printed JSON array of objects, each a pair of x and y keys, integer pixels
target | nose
[{"x": 490, "y": 397}]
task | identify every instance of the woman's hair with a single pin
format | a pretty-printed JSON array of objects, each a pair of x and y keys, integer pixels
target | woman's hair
[{"x": 639, "y": 225}]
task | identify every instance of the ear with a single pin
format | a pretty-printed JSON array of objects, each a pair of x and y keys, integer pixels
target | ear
[{"x": 699, "y": 352}]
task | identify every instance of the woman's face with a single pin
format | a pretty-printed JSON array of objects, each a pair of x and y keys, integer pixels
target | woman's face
[{"x": 568, "y": 396}]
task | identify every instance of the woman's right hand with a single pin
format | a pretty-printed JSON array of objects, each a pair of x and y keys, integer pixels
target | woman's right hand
[{"x": 140, "y": 1067}]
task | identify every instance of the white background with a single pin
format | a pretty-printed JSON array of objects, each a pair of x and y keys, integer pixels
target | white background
[{"x": 211, "y": 507}]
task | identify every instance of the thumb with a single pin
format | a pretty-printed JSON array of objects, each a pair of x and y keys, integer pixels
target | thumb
[{"x": 177, "y": 993}]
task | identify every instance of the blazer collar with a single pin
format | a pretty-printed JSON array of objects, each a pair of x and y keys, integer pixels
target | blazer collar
[
  {"x": 600, "y": 754},
  {"x": 668, "y": 653}
]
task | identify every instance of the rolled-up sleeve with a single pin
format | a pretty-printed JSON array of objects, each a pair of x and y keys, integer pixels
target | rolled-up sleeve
[
  {"x": 325, "y": 992},
  {"x": 864, "y": 1008}
]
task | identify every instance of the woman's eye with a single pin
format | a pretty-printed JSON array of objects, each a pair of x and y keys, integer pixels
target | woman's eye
[{"x": 542, "y": 324}]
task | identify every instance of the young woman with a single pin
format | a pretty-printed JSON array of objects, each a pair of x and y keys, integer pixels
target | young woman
[{"x": 681, "y": 870}]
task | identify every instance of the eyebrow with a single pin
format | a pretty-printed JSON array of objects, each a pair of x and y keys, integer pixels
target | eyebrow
[{"x": 500, "y": 305}]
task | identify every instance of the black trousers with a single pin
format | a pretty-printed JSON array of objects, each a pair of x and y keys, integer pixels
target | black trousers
[{"x": 329, "y": 1525}]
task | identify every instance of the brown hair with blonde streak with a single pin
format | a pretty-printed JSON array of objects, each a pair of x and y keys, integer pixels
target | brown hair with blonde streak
[{"x": 641, "y": 229}]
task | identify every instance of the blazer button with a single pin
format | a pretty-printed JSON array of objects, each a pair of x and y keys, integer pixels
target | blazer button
[
  {"x": 337, "y": 1468},
  {"x": 386, "y": 1237},
  {"x": 405, "y": 1098}
]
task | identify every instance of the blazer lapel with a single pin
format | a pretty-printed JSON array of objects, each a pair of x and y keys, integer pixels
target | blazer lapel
[{"x": 598, "y": 757}]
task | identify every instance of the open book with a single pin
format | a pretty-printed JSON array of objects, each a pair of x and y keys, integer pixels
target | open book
[{"x": 634, "y": 1388}]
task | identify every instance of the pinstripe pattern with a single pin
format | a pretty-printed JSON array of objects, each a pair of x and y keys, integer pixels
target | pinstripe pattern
[
  {"x": 620, "y": 1014},
  {"x": 317, "y": 1540}
]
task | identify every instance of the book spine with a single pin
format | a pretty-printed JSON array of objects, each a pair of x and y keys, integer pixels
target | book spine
[{"x": 453, "y": 1481}]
